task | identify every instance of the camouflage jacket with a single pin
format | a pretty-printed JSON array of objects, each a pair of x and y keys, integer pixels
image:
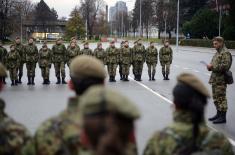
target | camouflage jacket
[
  {"x": 3, "y": 54},
  {"x": 59, "y": 53},
  {"x": 20, "y": 48},
  {"x": 221, "y": 63},
  {"x": 31, "y": 53},
  {"x": 165, "y": 55},
  {"x": 126, "y": 56},
  {"x": 13, "y": 60},
  {"x": 14, "y": 137},
  {"x": 86, "y": 51},
  {"x": 77, "y": 48},
  {"x": 151, "y": 55},
  {"x": 178, "y": 136},
  {"x": 60, "y": 135},
  {"x": 139, "y": 53},
  {"x": 112, "y": 55},
  {"x": 72, "y": 53},
  {"x": 100, "y": 54},
  {"x": 45, "y": 58}
]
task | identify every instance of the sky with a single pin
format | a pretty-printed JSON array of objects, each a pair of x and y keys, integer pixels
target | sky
[{"x": 64, "y": 7}]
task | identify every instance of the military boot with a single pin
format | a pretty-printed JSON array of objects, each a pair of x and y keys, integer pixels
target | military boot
[
  {"x": 110, "y": 78},
  {"x": 12, "y": 82},
  {"x": 221, "y": 118},
  {"x": 114, "y": 79},
  {"x": 126, "y": 78},
  {"x": 58, "y": 80},
  {"x": 33, "y": 80},
  {"x": 150, "y": 78},
  {"x": 63, "y": 81},
  {"x": 167, "y": 78},
  {"x": 44, "y": 81},
  {"x": 47, "y": 81},
  {"x": 29, "y": 80},
  {"x": 164, "y": 76},
  {"x": 153, "y": 77},
  {"x": 19, "y": 81},
  {"x": 214, "y": 117}
]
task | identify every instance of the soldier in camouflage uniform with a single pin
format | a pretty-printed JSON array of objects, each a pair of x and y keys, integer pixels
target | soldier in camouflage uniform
[
  {"x": 126, "y": 60},
  {"x": 3, "y": 54},
  {"x": 119, "y": 60},
  {"x": 189, "y": 134},
  {"x": 59, "y": 59},
  {"x": 166, "y": 56},
  {"x": 60, "y": 135},
  {"x": 112, "y": 56},
  {"x": 20, "y": 48},
  {"x": 86, "y": 50},
  {"x": 44, "y": 61},
  {"x": 108, "y": 121},
  {"x": 13, "y": 62},
  {"x": 14, "y": 137},
  {"x": 151, "y": 60},
  {"x": 221, "y": 62},
  {"x": 133, "y": 49},
  {"x": 74, "y": 40},
  {"x": 99, "y": 53},
  {"x": 72, "y": 52},
  {"x": 31, "y": 56},
  {"x": 138, "y": 59}
]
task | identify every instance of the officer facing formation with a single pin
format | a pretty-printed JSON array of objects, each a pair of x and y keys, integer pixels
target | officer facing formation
[
  {"x": 13, "y": 63},
  {"x": 108, "y": 121},
  {"x": 20, "y": 48},
  {"x": 61, "y": 135},
  {"x": 151, "y": 60},
  {"x": 189, "y": 134},
  {"x": 125, "y": 60},
  {"x": 99, "y": 53},
  {"x": 138, "y": 60},
  {"x": 86, "y": 50},
  {"x": 166, "y": 57},
  {"x": 220, "y": 64},
  {"x": 112, "y": 56},
  {"x": 45, "y": 61},
  {"x": 3, "y": 54},
  {"x": 15, "y": 139},
  {"x": 59, "y": 59}
]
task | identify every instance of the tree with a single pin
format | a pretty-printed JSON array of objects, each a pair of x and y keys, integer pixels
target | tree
[
  {"x": 75, "y": 25},
  {"x": 147, "y": 15}
]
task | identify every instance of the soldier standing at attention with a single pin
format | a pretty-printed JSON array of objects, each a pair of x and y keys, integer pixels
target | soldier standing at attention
[
  {"x": 45, "y": 60},
  {"x": 112, "y": 56},
  {"x": 15, "y": 138},
  {"x": 119, "y": 60},
  {"x": 166, "y": 56},
  {"x": 126, "y": 60},
  {"x": 138, "y": 59},
  {"x": 59, "y": 59},
  {"x": 20, "y": 48},
  {"x": 60, "y": 135},
  {"x": 221, "y": 62},
  {"x": 133, "y": 67},
  {"x": 86, "y": 50},
  {"x": 3, "y": 54},
  {"x": 72, "y": 52},
  {"x": 151, "y": 60},
  {"x": 13, "y": 62},
  {"x": 99, "y": 53},
  {"x": 189, "y": 133},
  {"x": 108, "y": 121},
  {"x": 31, "y": 54},
  {"x": 74, "y": 40}
]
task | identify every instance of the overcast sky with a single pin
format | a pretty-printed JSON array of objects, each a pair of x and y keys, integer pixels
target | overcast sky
[{"x": 64, "y": 7}]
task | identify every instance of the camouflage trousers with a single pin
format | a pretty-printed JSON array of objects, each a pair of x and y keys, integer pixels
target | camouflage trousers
[
  {"x": 166, "y": 68},
  {"x": 20, "y": 69},
  {"x": 125, "y": 69},
  {"x": 13, "y": 73},
  {"x": 45, "y": 72},
  {"x": 120, "y": 69},
  {"x": 219, "y": 97},
  {"x": 112, "y": 69},
  {"x": 31, "y": 66},
  {"x": 138, "y": 67},
  {"x": 59, "y": 68},
  {"x": 152, "y": 68}
]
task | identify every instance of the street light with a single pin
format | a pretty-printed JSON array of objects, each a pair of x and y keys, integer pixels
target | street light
[
  {"x": 165, "y": 14},
  {"x": 177, "y": 30},
  {"x": 140, "y": 18}
]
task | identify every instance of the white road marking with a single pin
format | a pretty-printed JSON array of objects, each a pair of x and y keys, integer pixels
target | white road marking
[
  {"x": 185, "y": 68},
  {"x": 196, "y": 71},
  {"x": 170, "y": 102}
]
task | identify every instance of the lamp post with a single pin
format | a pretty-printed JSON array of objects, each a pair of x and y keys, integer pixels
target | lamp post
[
  {"x": 177, "y": 30},
  {"x": 140, "y": 18},
  {"x": 165, "y": 14}
]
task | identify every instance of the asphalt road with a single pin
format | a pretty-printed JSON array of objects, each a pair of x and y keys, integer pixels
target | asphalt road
[{"x": 31, "y": 105}]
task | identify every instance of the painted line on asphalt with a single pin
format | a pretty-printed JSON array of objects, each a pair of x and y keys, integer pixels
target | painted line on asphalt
[{"x": 170, "y": 102}]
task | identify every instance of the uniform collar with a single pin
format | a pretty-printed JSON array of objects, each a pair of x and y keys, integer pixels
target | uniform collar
[
  {"x": 182, "y": 116},
  {"x": 73, "y": 103}
]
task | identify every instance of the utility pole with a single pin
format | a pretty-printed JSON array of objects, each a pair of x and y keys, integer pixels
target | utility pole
[
  {"x": 165, "y": 14},
  {"x": 86, "y": 30},
  {"x": 178, "y": 19},
  {"x": 140, "y": 18}
]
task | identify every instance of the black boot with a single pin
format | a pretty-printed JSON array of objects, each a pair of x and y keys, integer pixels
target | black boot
[
  {"x": 47, "y": 82},
  {"x": 153, "y": 77},
  {"x": 110, "y": 79},
  {"x": 167, "y": 78},
  {"x": 29, "y": 80},
  {"x": 214, "y": 117},
  {"x": 58, "y": 80},
  {"x": 221, "y": 118},
  {"x": 32, "y": 81},
  {"x": 150, "y": 78},
  {"x": 16, "y": 82},
  {"x": 114, "y": 79},
  {"x": 44, "y": 81},
  {"x": 138, "y": 78},
  {"x": 12, "y": 82},
  {"x": 19, "y": 81},
  {"x": 121, "y": 77},
  {"x": 63, "y": 81},
  {"x": 164, "y": 76},
  {"x": 127, "y": 78}
]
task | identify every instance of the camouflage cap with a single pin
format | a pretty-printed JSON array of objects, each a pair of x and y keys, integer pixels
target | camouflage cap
[
  {"x": 73, "y": 38},
  {"x": 17, "y": 38},
  {"x": 86, "y": 66},
  {"x": 193, "y": 82},
  {"x": 99, "y": 99},
  {"x": 3, "y": 71},
  {"x": 219, "y": 39}
]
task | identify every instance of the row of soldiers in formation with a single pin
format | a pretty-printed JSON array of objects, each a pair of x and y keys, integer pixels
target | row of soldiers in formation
[
  {"x": 113, "y": 57},
  {"x": 100, "y": 121}
]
